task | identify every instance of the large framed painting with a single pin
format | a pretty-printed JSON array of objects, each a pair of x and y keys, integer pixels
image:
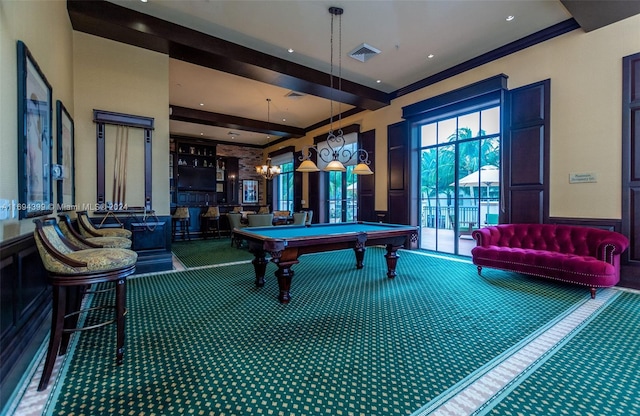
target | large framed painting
[
  {"x": 65, "y": 136},
  {"x": 34, "y": 137},
  {"x": 249, "y": 191}
]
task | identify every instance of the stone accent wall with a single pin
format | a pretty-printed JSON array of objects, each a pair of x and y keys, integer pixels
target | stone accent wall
[{"x": 249, "y": 158}]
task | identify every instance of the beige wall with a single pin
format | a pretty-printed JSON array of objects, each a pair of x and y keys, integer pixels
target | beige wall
[
  {"x": 586, "y": 94},
  {"x": 85, "y": 72},
  {"x": 48, "y": 35},
  {"x": 116, "y": 77},
  {"x": 88, "y": 72}
]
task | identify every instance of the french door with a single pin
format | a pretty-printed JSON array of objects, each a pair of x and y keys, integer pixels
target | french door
[
  {"x": 342, "y": 201},
  {"x": 460, "y": 179}
]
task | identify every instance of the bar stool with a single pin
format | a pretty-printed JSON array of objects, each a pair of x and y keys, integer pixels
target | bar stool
[
  {"x": 180, "y": 218},
  {"x": 70, "y": 272},
  {"x": 211, "y": 222}
]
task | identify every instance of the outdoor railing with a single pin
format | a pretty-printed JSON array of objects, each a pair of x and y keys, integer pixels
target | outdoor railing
[{"x": 443, "y": 217}]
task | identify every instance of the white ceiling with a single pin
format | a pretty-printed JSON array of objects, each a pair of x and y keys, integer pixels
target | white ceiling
[{"x": 406, "y": 32}]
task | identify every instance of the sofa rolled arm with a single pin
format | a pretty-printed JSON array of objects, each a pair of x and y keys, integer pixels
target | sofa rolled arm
[
  {"x": 612, "y": 246},
  {"x": 482, "y": 237}
]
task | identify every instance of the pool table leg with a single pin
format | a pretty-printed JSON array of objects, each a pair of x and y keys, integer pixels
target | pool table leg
[
  {"x": 284, "y": 259},
  {"x": 259, "y": 261},
  {"x": 392, "y": 260},
  {"x": 359, "y": 249},
  {"x": 284, "y": 275},
  {"x": 260, "y": 267}
]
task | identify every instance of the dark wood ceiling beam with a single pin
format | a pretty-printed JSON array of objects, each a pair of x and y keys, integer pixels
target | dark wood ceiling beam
[
  {"x": 594, "y": 14},
  {"x": 111, "y": 21},
  {"x": 191, "y": 115}
]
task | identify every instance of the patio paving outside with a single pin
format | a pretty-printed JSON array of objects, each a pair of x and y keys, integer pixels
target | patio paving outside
[{"x": 443, "y": 240}]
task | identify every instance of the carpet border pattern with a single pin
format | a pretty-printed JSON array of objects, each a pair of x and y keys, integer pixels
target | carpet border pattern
[{"x": 478, "y": 393}]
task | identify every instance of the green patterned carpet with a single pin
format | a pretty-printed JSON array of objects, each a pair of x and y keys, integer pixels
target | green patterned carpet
[
  {"x": 596, "y": 373},
  {"x": 351, "y": 342},
  {"x": 198, "y": 253}
]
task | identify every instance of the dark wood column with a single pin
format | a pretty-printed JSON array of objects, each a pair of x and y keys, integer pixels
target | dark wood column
[{"x": 367, "y": 183}]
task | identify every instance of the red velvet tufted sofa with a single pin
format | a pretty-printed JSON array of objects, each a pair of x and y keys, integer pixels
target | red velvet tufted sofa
[{"x": 580, "y": 255}]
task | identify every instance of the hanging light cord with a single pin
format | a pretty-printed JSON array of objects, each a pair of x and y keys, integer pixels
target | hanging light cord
[
  {"x": 335, "y": 153},
  {"x": 268, "y": 119},
  {"x": 331, "y": 78},
  {"x": 339, "y": 71}
]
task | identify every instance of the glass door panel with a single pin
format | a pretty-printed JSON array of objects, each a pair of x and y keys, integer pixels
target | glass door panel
[
  {"x": 446, "y": 198},
  {"x": 343, "y": 196},
  {"x": 428, "y": 198},
  {"x": 468, "y": 195}
]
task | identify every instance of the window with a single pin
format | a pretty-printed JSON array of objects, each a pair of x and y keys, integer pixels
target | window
[{"x": 283, "y": 183}]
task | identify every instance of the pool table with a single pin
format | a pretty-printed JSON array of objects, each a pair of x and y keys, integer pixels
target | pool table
[{"x": 285, "y": 244}]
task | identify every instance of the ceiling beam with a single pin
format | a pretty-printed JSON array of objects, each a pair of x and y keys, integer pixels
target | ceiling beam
[
  {"x": 594, "y": 14},
  {"x": 108, "y": 20},
  {"x": 191, "y": 115}
]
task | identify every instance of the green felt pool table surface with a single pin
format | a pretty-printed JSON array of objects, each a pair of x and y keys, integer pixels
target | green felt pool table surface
[{"x": 291, "y": 232}]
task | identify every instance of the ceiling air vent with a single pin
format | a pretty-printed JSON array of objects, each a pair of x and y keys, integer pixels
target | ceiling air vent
[
  {"x": 364, "y": 52},
  {"x": 294, "y": 95}
]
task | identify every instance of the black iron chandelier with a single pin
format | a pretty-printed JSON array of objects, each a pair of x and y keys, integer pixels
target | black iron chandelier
[
  {"x": 267, "y": 170},
  {"x": 335, "y": 154}
]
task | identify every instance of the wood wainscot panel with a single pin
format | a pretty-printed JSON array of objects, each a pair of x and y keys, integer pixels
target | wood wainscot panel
[
  {"x": 605, "y": 224},
  {"x": 25, "y": 306},
  {"x": 151, "y": 237},
  {"x": 629, "y": 274}
]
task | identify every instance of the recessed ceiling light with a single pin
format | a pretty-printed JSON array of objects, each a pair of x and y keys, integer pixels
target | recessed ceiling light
[
  {"x": 430, "y": 56},
  {"x": 201, "y": 104},
  {"x": 510, "y": 18},
  {"x": 201, "y": 134},
  {"x": 144, "y": 1},
  {"x": 290, "y": 50},
  {"x": 378, "y": 81},
  {"x": 284, "y": 119}
]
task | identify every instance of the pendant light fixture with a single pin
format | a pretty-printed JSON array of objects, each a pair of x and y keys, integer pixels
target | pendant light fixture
[
  {"x": 268, "y": 171},
  {"x": 335, "y": 155}
]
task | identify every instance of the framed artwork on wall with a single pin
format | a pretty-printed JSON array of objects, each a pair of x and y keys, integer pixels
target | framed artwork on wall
[
  {"x": 249, "y": 191},
  {"x": 34, "y": 137},
  {"x": 65, "y": 137}
]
